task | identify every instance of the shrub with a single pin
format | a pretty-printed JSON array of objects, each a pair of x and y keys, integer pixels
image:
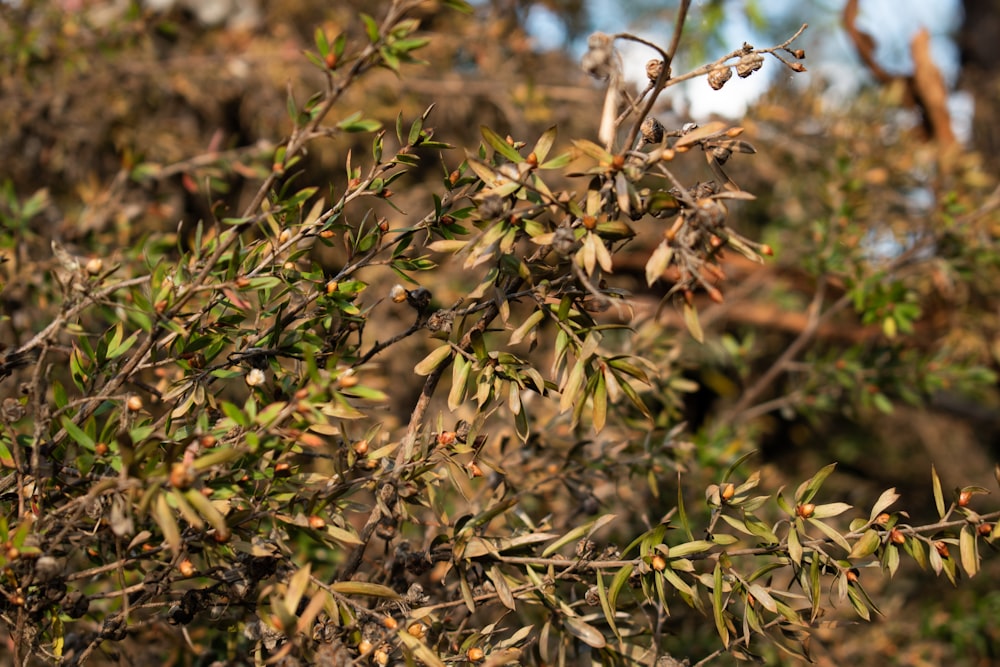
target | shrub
[{"x": 209, "y": 435}]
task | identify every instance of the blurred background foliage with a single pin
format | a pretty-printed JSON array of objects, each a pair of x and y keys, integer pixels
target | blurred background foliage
[{"x": 122, "y": 125}]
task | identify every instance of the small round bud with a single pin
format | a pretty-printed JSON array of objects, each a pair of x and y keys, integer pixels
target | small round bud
[
  {"x": 397, "y": 293},
  {"x": 985, "y": 529},
  {"x": 332, "y": 287},
  {"x": 474, "y": 654},
  {"x": 317, "y": 522},
  {"x": 446, "y": 438},
  {"x": 282, "y": 469},
  {"x": 94, "y": 265},
  {"x": 186, "y": 567},
  {"x": 658, "y": 562},
  {"x": 964, "y": 497},
  {"x": 284, "y": 235},
  {"x": 361, "y": 447},
  {"x": 474, "y": 469},
  {"x": 805, "y": 510},
  {"x": 101, "y": 448},
  {"x": 390, "y": 623},
  {"x": 134, "y": 403},
  {"x": 942, "y": 548},
  {"x": 207, "y": 441},
  {"x": 327, "y": 234},
  {"x": 417, "y": 630},
  {"x": 896, "y": 536},
  {"x": 727, "y": 491},
  {"x": 381, "y": 657},
  {"x": 853, "y": 575},
  {"x": 243, "y": 282},
  {"x": 181, "y": 475},
  {"x": 364, "y": 647}
]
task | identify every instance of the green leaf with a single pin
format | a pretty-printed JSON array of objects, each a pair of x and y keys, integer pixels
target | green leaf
[
  {"x": 866, "y": 545},
  {"x": 544, "y": 144},
  {"x": 322, "y": 45},
  {"x": 500, "y": 145},
  {"x": 794, "y": 546},
  {"x": 717, "y": 609},
  {"x": 356, "y": 123},
  {"x": 371, "y": 28},
  {"x": 808, "y": 489},
  {"x": 938, "y": 494},
  {"x": 364, "y": 588},
  {"x": 436, "y": 357}
]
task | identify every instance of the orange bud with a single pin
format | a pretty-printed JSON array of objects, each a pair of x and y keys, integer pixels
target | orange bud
[{"x": 805, "y": 510}]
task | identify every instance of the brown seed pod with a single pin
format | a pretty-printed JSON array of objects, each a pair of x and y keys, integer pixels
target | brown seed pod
[
  {"x": 853, "y": 575},
  {"x": 652, "y": 131},
  {"x": 748, "y": 64},
  {"x": 942, "y": 548},
  {"x": 474, "y": 654},
  {"x": 964, "y": 497},
  {"x": 896, "y": 536},
  {"x": 717, "y": 77},
  {"x": 985, "y": 529},
  {"x": 653, "y": 69},
  {"x": 134, "y": 403},
  {"x": 805, "y": 510}
]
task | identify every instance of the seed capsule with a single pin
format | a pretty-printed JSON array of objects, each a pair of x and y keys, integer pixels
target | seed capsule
[{"x": 717, "y": 78}]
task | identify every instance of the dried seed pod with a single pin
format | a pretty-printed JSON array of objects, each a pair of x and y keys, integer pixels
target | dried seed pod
[
  {"x": 653, "y": 69},
  {"x": 652, "y": 131},
  {"x": 749, "y": 64},
  {"x": 717, "y": 77}
]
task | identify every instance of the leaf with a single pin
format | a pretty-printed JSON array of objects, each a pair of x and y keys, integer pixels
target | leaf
[
  {"x": 420, "y": 650},
  {"x": 502, "y": 589},
  {"x": 794, "y": 546},
  {"x": 500, "y": 145},
  {"x": 866, "y": 545},
  {"x": 888, "y": 497},
  {"x": 938, "y": 495},
  {"x": 832, "y": 533},
  {"x": 658, "y": 262},
  {"x": 830, "y": 510},
  {"x": 526, "y": 327},
  {"x": 968, "y": 551},
  {"x": 688, "y": 548},
  {"x": 364, "y": 588},
  {"x": 544, "y": 144},
  {"x": 436, "y": 357},
  {"x": 580, "y": 532},
  {"x": 609, "y": 612},
  {"x": 762, "y": 596},
  {"x": 693, "y": 325},
  {"x": 717, "y": 609},
  {"x": 585, "y": 632},
  {"x": 371, "y": 27},
  {"x": 167, "y": 523},
  {"x": 808, "y": 489},
  {"x": 459, "y": 381}
]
